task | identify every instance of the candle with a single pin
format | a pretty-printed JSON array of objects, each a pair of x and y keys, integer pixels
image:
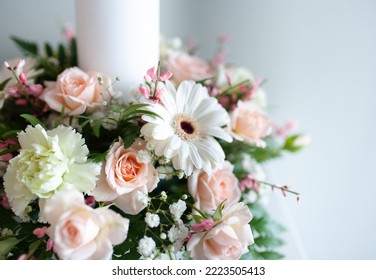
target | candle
[{"x": 119, "y": 38}]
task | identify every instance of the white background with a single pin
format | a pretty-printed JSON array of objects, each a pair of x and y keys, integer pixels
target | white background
[{"x": 319, "y": 57}]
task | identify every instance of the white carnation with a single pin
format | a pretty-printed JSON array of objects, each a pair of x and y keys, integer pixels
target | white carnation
[{"x": 48, "y": 162}]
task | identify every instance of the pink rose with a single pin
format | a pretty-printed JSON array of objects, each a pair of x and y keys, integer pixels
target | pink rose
[
  {"x": 228, "y": 239},
  {"x": 76, "y": 91},
  {"x": 123, "y": 177},
  {"x": 187, "y": 67},
  {"x": 249, "y": 123},
  {"x": 81, "y": 232},
  {"x": 210, "y": 191}
]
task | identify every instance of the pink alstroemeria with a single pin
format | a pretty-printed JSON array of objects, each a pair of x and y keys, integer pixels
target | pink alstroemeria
[
  {"x": 40, "y": 232},
  {"x": 205, "y": 224}
]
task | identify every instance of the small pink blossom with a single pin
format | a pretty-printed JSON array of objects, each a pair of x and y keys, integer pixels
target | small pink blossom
[
  {"x": 206, "y": 224},
  {"x": 49, "y": 245},
  {"x": 40, "y": 232},
  {"x": 22, "y": 78},
  {"x": 150, "y": 75},
  {"x": 4, "y": 201},
  {"x": 224, "y": 37},
  {"x": 255, "y": 86},
  {"x": 90, "y": 201},
  {"x": 166, "y": 76},
  {"x": 145, "y": 90},
  {"x": 68, "y": 32}
]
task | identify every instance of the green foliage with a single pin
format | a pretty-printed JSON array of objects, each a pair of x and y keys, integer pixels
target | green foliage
[
  {"x": 33, "y": 120},
  {"x": 51, "y": 61},
  {"x": 26, "y": 47}
]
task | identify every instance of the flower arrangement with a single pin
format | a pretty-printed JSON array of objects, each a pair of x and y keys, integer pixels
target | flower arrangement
[{"x": 171, "y": 169}]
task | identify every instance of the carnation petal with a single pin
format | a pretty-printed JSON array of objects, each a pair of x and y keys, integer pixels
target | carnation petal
[
  {"x": 82, "y": 176},
  {"x": 33, "y": 135}
]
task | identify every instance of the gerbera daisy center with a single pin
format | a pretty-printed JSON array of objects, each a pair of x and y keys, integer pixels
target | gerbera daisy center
[{"x": 186, "y": 127}]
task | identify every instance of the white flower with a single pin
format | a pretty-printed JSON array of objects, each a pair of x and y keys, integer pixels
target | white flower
[
  {"x": 189, "y": 121},
  {"x": 49, "y": 161},
  {"x": 177, "y": 209},
  {"x": 146, "y": 246},
  {"x": 165, "y": 172},
  {"x": 81, "y": 232},
  {"x": 177, "y": 234},
  {"x": 152, "y": 220},
  {"x": 144, "y": 156},
  {"x": 142, "y": 197}
]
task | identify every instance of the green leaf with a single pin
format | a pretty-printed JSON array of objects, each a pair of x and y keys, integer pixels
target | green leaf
[
  {"x": 7, "y": 245},
  {"x": 48, "y": 49},
  {"x": 271, "y": 255},
  {"x": 26, "y": 47},
  {"x": 130, "y": 134},
  {"x": 10, "y": 150},
  {"x": 268, "y": 242},
  {"x": 4, "y": 83},
  {"x": 73, "y": 53},
  {"x": 61, "y": 56},
  {"x": 33, "y": 120},
  {"x": 218, "y": 212},
  {"x": 10, "y": 133}
]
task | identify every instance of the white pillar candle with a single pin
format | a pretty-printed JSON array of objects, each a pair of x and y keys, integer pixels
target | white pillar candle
[{"x": 119, "y": 38}]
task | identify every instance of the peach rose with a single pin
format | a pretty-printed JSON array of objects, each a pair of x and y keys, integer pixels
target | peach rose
[
  {"x": 81, "y": 232},
  {"x": 210, "y": 191},
  {"x": 187, "y": 67},
  {"x": 228, "y": 239},
  {"x": 123, "y": 176},
  {"x": 249, "y": 123},
  {"x": 76, "y": 91}
]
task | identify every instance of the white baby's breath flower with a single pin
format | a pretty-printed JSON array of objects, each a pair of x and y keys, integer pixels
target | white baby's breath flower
[
  {"x": 48, "y": 162},
  {"x": 152, "y": 219},
  {"x": 142, "y": 197},
  {"x": 146, "y": 246},
  {"x": 163, "y": 195},
  {"x": 144, "y": 156},
  {"x": 189, "y": 121},
  {"x": 177, "y": 209}
]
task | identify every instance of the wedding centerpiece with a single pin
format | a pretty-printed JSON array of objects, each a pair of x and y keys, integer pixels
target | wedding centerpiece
[{"x": 168, "y": 169}]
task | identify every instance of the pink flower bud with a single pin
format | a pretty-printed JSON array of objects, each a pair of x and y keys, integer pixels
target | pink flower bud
[
  {"x": 22, "y": 77},
  {"x": 40, "y": 232}
]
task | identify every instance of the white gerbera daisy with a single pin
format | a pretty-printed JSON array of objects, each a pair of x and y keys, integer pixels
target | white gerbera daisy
[{"x": 190, "y": 119}]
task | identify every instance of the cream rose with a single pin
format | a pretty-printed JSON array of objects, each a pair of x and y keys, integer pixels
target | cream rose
[
  {"x": 124, "y": 177},
  {"x": 228, "y": 239},
  {"x": 249, "y": 123},
  {"x": 210, "y": 191},
  {"x": 187, "y": 67},
  {"x": 81, "y": 232},
  {"x": 76, "y": 91}
]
